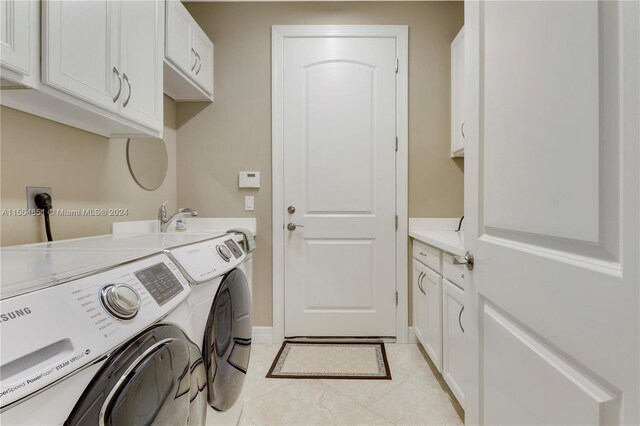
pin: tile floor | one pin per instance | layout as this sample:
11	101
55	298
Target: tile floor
415	396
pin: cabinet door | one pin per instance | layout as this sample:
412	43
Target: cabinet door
15	35
432	285
80	49
178	37
203	49
141	56
418	304
457	95
453	338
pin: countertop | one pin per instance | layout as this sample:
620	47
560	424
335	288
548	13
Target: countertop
449	241
33	266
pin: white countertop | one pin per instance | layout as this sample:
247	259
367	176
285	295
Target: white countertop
449	241
29	267
439	233
194	224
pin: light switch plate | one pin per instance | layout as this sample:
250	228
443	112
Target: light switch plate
249	180
249	203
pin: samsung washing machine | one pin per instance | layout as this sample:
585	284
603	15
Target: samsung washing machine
109	347
221	308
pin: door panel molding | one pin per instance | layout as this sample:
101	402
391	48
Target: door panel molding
279	34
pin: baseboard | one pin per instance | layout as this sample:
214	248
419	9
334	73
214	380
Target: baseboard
262	334
411	338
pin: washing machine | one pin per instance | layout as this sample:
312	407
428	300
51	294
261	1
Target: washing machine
108	346
221	308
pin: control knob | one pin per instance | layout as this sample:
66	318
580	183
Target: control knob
120	300
224	253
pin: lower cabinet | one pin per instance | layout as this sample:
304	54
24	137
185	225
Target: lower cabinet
438	314
432	283
427	311
419	304
453	338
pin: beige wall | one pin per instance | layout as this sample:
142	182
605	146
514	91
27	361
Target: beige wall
234	133
86	171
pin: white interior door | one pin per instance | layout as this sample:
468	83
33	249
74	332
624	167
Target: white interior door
339	131
552	189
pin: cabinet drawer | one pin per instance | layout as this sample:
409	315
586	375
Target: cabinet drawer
455	273
430	256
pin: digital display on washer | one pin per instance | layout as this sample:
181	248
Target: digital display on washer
159	282
231	245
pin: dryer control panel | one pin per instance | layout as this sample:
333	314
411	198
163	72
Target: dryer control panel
50	333
209	259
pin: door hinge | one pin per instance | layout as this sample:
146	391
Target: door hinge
397	65
396	144
396	222
396	298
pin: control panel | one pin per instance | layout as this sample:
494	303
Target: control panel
72	324
206	260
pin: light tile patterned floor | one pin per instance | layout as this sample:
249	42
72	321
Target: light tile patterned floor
415	396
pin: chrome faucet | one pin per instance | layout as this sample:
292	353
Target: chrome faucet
165	222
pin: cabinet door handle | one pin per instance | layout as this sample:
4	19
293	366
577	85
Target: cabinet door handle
460	319
462	130
115	71
199	63
420	282
195	59
125	78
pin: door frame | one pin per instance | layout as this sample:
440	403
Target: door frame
278	34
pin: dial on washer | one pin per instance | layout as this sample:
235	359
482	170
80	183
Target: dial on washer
224	252
121	300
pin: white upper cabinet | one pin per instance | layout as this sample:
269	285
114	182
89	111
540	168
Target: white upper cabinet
178	37
203	49
16	35
141	57
457	95
80	51
101	63
188	56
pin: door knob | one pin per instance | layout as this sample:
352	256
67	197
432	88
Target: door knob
467	260
291	210
292	226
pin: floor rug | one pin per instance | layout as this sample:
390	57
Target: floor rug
334	360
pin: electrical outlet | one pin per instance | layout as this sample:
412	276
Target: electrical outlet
32	191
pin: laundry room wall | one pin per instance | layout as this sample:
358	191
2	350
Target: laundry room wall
234	133
86	171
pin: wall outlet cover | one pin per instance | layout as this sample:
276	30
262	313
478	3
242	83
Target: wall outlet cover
32	191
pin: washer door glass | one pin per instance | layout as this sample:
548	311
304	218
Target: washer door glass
227	341
152	380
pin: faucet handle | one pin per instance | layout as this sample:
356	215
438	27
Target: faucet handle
162	211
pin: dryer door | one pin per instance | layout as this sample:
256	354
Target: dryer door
157	378
227	341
